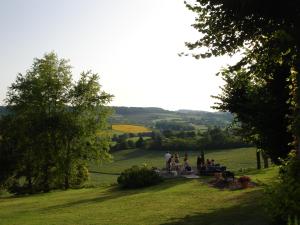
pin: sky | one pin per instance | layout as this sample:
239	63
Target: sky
132	44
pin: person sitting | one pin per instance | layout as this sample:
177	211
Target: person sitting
186	165
208	162
213	162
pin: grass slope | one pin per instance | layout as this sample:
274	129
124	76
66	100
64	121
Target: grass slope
174	202
233	159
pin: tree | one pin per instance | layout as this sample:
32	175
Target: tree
259	102
140	143
58	124
256	27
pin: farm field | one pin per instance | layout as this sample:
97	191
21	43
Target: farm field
127	128
233	159
174	202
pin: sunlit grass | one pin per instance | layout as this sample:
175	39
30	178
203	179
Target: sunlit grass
174	202
126	128
233	159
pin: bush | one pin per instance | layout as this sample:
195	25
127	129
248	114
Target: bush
80	175
244	179
137	177
283	197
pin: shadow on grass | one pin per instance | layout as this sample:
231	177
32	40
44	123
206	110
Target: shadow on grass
115	192
249	211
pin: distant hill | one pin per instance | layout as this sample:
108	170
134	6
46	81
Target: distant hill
150	115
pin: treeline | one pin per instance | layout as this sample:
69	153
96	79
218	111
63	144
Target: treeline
167	140
173	125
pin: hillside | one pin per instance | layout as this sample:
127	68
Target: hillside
149	116
174	202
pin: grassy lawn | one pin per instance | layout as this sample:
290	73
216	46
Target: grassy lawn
233	159
174	202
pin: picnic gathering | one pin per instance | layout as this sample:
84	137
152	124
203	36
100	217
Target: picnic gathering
176	166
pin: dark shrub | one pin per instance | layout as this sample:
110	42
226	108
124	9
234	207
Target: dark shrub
137	177
283	196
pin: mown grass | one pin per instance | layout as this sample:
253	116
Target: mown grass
233	159
126	128
174	202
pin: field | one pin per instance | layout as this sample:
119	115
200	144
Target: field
126	128
174	202
233	159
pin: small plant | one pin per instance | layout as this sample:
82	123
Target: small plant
137	177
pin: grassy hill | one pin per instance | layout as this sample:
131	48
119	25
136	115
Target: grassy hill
174	202
148	116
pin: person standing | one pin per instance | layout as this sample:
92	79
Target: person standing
167	157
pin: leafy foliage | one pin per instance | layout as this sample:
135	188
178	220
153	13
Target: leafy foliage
52	128
262	87
137	177
283	196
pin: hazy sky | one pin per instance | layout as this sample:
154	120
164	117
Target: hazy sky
132	44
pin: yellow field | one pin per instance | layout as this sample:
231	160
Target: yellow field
125	128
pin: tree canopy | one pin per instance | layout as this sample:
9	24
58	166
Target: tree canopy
53	127
262	88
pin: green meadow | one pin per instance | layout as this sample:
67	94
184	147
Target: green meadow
174	202
106	173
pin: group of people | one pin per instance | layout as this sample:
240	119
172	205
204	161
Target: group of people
173	162
208	165
202	163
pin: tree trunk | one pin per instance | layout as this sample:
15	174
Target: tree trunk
29	179
266	159
46	186
67	166
258	159
297	95
67	182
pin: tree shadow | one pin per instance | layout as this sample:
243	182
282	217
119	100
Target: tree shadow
115	192
249	211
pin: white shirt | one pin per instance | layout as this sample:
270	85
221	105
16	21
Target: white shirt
167	156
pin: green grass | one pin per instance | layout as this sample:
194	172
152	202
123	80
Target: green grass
233	159
174	202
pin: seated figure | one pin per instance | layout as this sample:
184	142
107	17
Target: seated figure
186	165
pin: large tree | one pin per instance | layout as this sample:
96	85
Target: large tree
53	126
253	27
